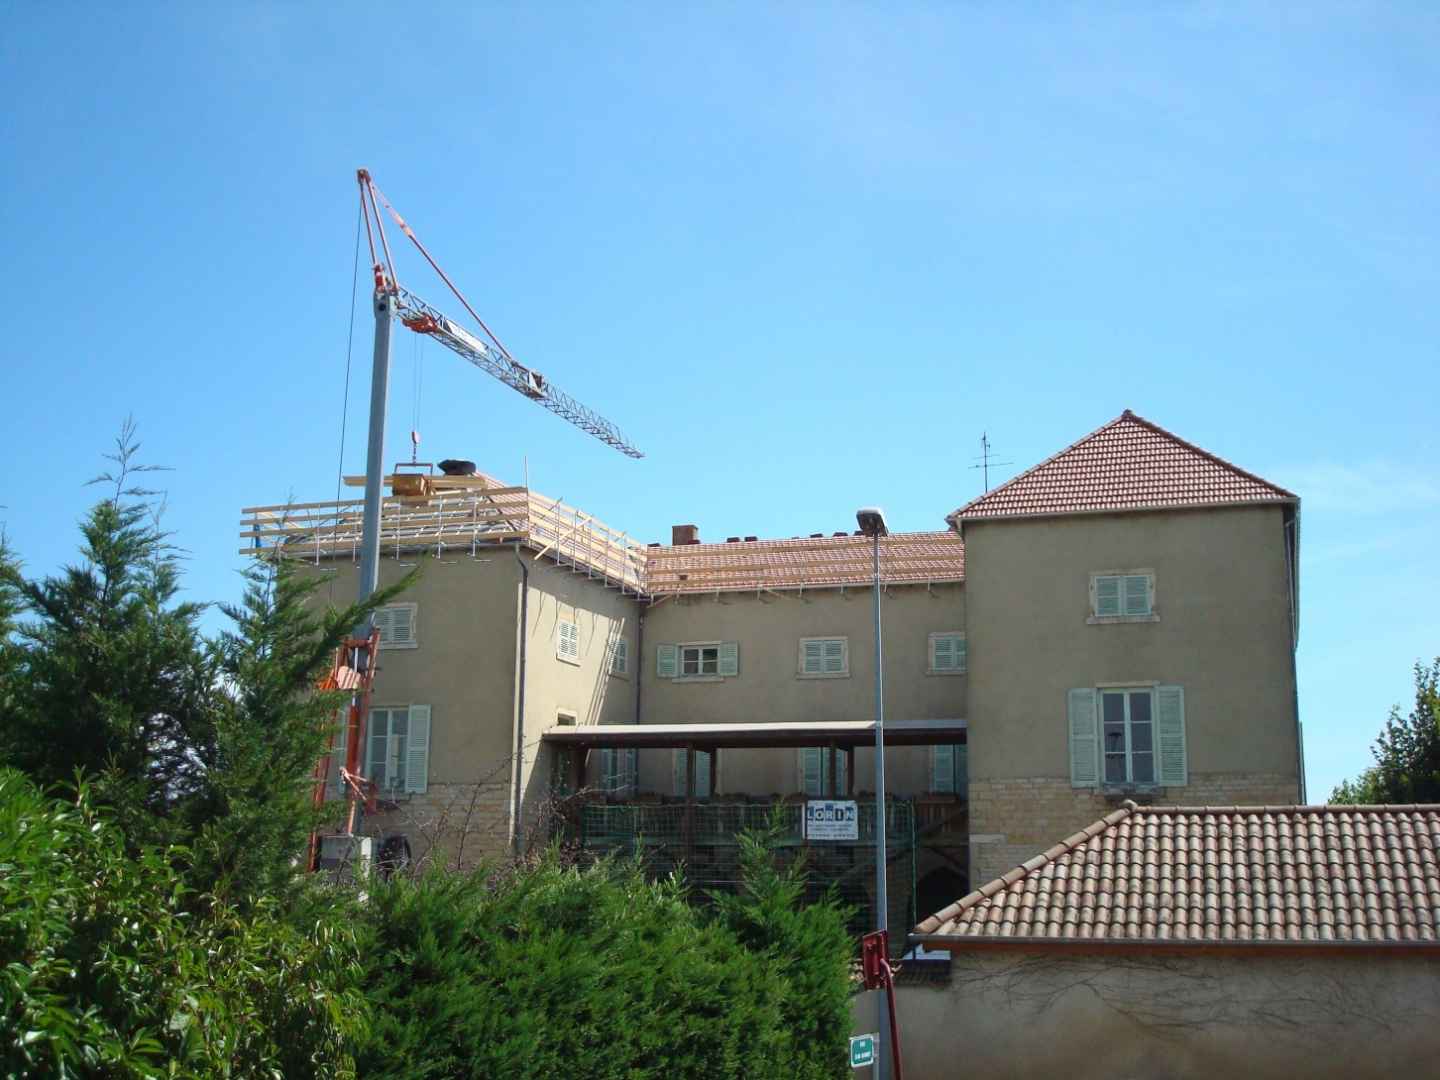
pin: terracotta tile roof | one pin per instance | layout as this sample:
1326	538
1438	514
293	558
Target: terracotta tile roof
1129	464
1229	875
809	562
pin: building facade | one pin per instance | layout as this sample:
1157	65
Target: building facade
1116	623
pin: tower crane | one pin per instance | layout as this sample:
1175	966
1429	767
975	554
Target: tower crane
354	666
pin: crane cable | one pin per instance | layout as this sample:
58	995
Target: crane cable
349	352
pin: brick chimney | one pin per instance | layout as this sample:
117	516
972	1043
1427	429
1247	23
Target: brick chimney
684	534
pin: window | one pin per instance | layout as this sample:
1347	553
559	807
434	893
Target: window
396	623
619	657
1121	736
1128	736
702	773
619	771
815	771
701	661
947	653
950	770
567	643
397	749
1122	596
822	658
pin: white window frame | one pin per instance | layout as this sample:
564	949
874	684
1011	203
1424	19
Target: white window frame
570	655
383	619
1149	616
1128	692
948	635
397	758
844	673
681	647
619	664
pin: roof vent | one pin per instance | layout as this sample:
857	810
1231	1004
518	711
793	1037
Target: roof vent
684	534
839	534
751	539
817	536
732	539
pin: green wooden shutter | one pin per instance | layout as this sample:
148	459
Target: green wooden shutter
1172	770
812	776
667	661
417	751
962	771
1084	742
632	770
942	769
962	653
834	657
729	658
677	762
1137	594
1107	596
942	655
813	661
702	773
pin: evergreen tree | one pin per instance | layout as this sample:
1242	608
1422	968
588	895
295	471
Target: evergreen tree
206	743
1407	752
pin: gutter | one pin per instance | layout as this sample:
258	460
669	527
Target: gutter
518	765
957	943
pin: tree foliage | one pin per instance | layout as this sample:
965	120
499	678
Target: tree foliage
205	743
1407	752
110	965
555	971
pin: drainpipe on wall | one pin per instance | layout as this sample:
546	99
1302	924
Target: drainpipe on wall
639	654
518	766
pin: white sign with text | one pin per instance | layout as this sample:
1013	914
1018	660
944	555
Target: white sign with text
832	819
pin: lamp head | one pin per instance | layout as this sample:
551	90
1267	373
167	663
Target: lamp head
871	520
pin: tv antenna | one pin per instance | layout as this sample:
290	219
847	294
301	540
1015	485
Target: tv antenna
985	460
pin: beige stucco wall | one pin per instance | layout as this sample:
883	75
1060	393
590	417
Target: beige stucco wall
585	690
1221	592
465	668
768	630
1160	1017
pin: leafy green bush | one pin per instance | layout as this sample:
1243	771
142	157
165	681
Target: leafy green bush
109	966
552	971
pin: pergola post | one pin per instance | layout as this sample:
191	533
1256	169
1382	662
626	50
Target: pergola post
833	787
689	803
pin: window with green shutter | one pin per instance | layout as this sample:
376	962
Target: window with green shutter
824	657
1122	595
700	661
948	654
1127	736
396	623
815	772
949	770
397	749
702	773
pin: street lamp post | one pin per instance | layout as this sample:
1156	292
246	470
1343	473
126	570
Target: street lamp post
872	523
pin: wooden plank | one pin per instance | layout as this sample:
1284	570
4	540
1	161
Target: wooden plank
300	506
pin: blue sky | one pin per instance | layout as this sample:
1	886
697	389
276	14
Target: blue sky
803	256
